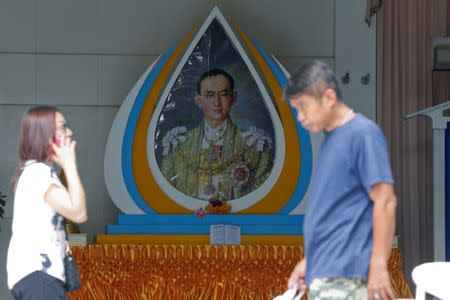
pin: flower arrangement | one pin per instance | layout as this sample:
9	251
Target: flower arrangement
217	206
201	213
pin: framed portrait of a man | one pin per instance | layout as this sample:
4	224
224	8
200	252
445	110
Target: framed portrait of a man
215	137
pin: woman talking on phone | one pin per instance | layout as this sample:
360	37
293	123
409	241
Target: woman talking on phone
35	256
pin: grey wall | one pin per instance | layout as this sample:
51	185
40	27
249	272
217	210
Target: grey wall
85	55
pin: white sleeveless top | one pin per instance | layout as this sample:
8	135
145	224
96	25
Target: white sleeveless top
38	235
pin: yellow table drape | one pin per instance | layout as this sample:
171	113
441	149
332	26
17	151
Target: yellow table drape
195	271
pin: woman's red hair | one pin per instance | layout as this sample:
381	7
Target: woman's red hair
36	132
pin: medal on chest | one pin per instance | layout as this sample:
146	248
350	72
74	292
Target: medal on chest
214	153
209	189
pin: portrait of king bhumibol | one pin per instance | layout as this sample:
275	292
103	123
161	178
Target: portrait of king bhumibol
217	158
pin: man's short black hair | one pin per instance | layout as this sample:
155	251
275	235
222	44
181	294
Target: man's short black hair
312	79
215	72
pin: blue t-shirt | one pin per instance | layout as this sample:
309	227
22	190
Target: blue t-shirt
338	222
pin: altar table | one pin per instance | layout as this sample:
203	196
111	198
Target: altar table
195	271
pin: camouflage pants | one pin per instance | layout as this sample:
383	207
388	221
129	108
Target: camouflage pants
337	289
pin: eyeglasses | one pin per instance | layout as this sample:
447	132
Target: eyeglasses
211	95
65	127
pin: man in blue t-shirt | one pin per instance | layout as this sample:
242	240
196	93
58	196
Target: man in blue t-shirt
350	219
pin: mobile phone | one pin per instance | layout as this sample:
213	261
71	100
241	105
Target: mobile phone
57	142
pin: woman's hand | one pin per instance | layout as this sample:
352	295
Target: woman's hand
64	154
70	203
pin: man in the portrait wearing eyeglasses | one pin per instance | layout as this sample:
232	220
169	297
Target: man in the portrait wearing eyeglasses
217	158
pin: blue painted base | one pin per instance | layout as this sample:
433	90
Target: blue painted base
192	224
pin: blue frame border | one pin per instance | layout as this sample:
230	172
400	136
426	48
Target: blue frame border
280	223
127	146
